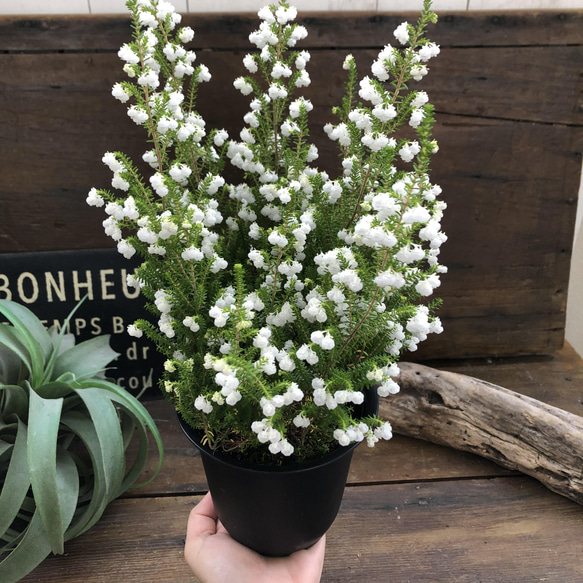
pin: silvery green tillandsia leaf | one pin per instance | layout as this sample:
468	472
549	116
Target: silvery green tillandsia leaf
9	366
16	482
33	547
106	422
49	494
11	340
34	334
31	550
143	421
4	448
57	341
60	340
55	390
85	359
43	420
14	401
68	486
83	427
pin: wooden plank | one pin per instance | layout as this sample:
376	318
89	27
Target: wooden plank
522	179
136	540
484	530
509	240
345	29
519	83
508	258
505	293
554	380
68	114
505	238
505	529
68	119
458	530
400	459
534	83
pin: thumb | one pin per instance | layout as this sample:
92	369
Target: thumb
202	521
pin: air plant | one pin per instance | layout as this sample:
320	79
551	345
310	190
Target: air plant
64	431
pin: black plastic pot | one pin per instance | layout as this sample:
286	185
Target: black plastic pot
277	511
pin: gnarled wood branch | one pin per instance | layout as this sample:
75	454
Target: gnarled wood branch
515	431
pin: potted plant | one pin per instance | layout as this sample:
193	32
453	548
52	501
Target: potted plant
63	436
279	297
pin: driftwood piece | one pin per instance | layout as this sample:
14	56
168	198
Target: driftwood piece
515	431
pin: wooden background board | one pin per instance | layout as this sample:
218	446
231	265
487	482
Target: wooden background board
507	92
352	29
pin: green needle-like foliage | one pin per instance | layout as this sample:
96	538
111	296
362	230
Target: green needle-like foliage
279	291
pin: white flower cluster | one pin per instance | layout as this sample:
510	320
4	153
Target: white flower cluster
268	353
323	398
270	406
264	428
221	311
358	432
226	378
164	304
420	326
289	273
387	386
266	433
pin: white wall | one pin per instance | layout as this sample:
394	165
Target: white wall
574	331
114	6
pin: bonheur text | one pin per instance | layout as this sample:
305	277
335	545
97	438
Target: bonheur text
61	286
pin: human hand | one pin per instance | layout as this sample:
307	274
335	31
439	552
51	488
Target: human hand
215	557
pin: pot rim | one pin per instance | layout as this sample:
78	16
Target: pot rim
369	407
195	436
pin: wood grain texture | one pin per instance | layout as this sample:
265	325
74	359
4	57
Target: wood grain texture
507	91
504	529
556	380
509	128
500	530
344	29
515	431
431	521
400	459
506	183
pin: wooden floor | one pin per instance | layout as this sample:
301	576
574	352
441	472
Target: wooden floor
412	511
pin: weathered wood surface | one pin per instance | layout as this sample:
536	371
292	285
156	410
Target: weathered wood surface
351	29
413	511
513	430
400	459
498	530
556	380
59	117
509	128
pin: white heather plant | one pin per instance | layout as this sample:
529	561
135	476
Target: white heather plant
279	298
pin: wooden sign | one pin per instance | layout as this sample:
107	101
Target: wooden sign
51	284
